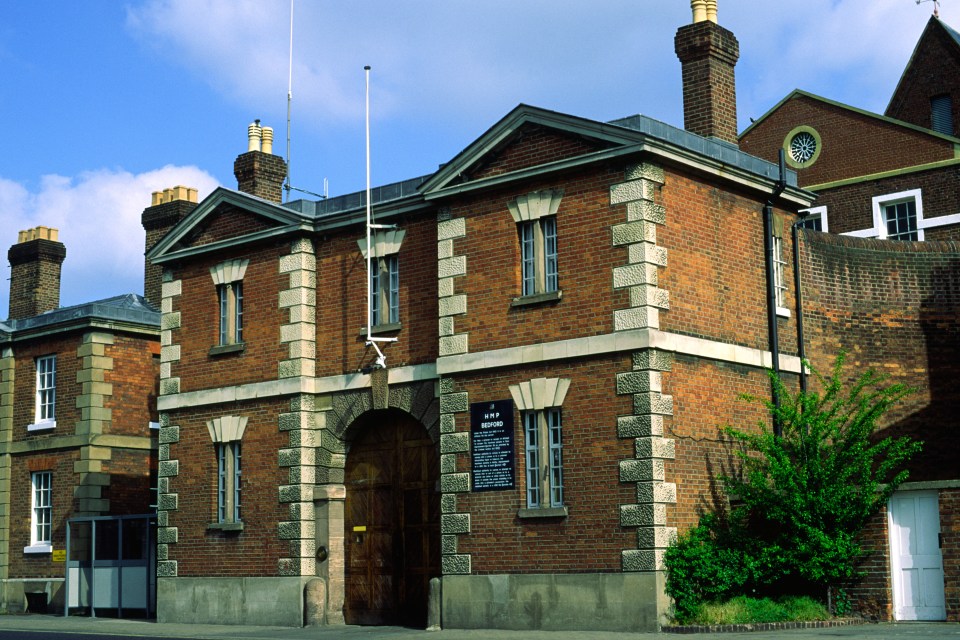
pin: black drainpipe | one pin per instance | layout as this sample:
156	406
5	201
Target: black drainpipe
771	290
801	353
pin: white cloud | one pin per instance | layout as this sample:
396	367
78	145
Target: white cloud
98	216
440	62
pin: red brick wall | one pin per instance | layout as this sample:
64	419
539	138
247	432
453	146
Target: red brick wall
850	207
950	530
227	222
706	396
134	378
129	489
590	539
715	265
61	464
539	146
199	328
873	596
586	259
342	300
893	307
853	144
255	550
25	387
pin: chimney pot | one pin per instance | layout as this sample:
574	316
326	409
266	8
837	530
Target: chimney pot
267	146
254	136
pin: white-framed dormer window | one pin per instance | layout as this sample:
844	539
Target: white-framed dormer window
536	217
384	274
41	512
228	279
226	433
45	414
815	219
540	403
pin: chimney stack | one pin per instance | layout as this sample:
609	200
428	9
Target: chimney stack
35	272
708	53
167	208
258	171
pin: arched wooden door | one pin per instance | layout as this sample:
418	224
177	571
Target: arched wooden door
392	521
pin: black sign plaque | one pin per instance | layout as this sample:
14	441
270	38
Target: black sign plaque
491	443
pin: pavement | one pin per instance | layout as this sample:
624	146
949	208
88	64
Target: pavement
110	626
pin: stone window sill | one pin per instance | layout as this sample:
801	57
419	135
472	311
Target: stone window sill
225	526
382	328
222	349
543	512
783	312
537	298
46	425
39	548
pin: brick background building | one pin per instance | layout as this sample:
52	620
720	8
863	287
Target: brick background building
78	390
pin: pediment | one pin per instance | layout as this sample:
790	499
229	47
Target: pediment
225	218
933	69
526	140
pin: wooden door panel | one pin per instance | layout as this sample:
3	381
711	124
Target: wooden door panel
392	523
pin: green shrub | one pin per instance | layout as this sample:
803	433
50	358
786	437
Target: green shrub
805	495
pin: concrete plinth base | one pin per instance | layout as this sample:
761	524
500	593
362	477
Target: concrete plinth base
570	602
252	601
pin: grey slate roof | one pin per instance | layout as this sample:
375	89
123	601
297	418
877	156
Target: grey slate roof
129	308
712	148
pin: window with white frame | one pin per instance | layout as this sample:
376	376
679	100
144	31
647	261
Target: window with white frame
900	220
228	278
540	403
41	511
779	276
45	414
536	218
384	274
231	312
538	253
228	481
815	219
226	433
543	444
899	216
385	291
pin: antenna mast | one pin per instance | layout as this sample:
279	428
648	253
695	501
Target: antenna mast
371	341
289	100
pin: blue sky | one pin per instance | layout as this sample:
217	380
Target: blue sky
104	101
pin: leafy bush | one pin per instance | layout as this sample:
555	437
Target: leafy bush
805	495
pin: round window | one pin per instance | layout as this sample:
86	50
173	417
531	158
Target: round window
802	146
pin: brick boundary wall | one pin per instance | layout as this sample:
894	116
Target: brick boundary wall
893	306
